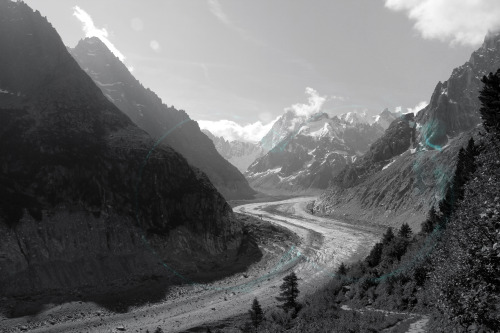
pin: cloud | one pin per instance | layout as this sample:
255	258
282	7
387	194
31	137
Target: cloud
315	102
234	131
417	107
155	45
217	10
464	22
91	30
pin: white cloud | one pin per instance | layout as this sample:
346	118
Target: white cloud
234	131
91	30
337	98
463	22
398	109
155	45
216	9
315	102
417	107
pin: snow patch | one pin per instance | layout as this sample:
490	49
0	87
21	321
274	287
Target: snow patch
388	165
107	84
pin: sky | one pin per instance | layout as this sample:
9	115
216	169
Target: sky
235	66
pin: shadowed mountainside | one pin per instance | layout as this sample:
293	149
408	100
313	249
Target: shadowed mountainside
148	112
84	200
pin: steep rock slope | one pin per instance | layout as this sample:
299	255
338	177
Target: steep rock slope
402	185
307	159
146	110
238	153
454	107
80	205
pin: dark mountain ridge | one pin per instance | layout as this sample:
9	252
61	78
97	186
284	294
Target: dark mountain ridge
80	203
147	111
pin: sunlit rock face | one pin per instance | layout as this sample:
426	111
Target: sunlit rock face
454	105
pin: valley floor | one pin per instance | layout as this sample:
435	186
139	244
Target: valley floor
322	245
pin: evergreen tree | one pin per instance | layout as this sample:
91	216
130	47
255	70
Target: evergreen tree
375	255
431	221
289	293
256	313
405	231
342	270
490	103
446	206
388	236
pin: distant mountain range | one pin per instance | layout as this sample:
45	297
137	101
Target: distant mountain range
84	197
408	169
147	111
238	153
307	152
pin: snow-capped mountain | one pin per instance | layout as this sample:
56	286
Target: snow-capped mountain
288	123
355	118
238	153
385	118
311	151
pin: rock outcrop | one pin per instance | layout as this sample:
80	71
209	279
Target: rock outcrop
454	105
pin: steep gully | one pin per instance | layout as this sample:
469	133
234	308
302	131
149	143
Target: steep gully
324	244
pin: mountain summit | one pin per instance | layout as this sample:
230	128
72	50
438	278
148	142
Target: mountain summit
147	110
310	151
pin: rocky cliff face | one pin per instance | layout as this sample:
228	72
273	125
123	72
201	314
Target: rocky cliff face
454	106
307	159
147	110
84	199
408	169
238	153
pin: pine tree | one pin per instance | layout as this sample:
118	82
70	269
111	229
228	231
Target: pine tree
431	221
375	255
342	270
490	102
256	313
405	231
388	236
289	293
